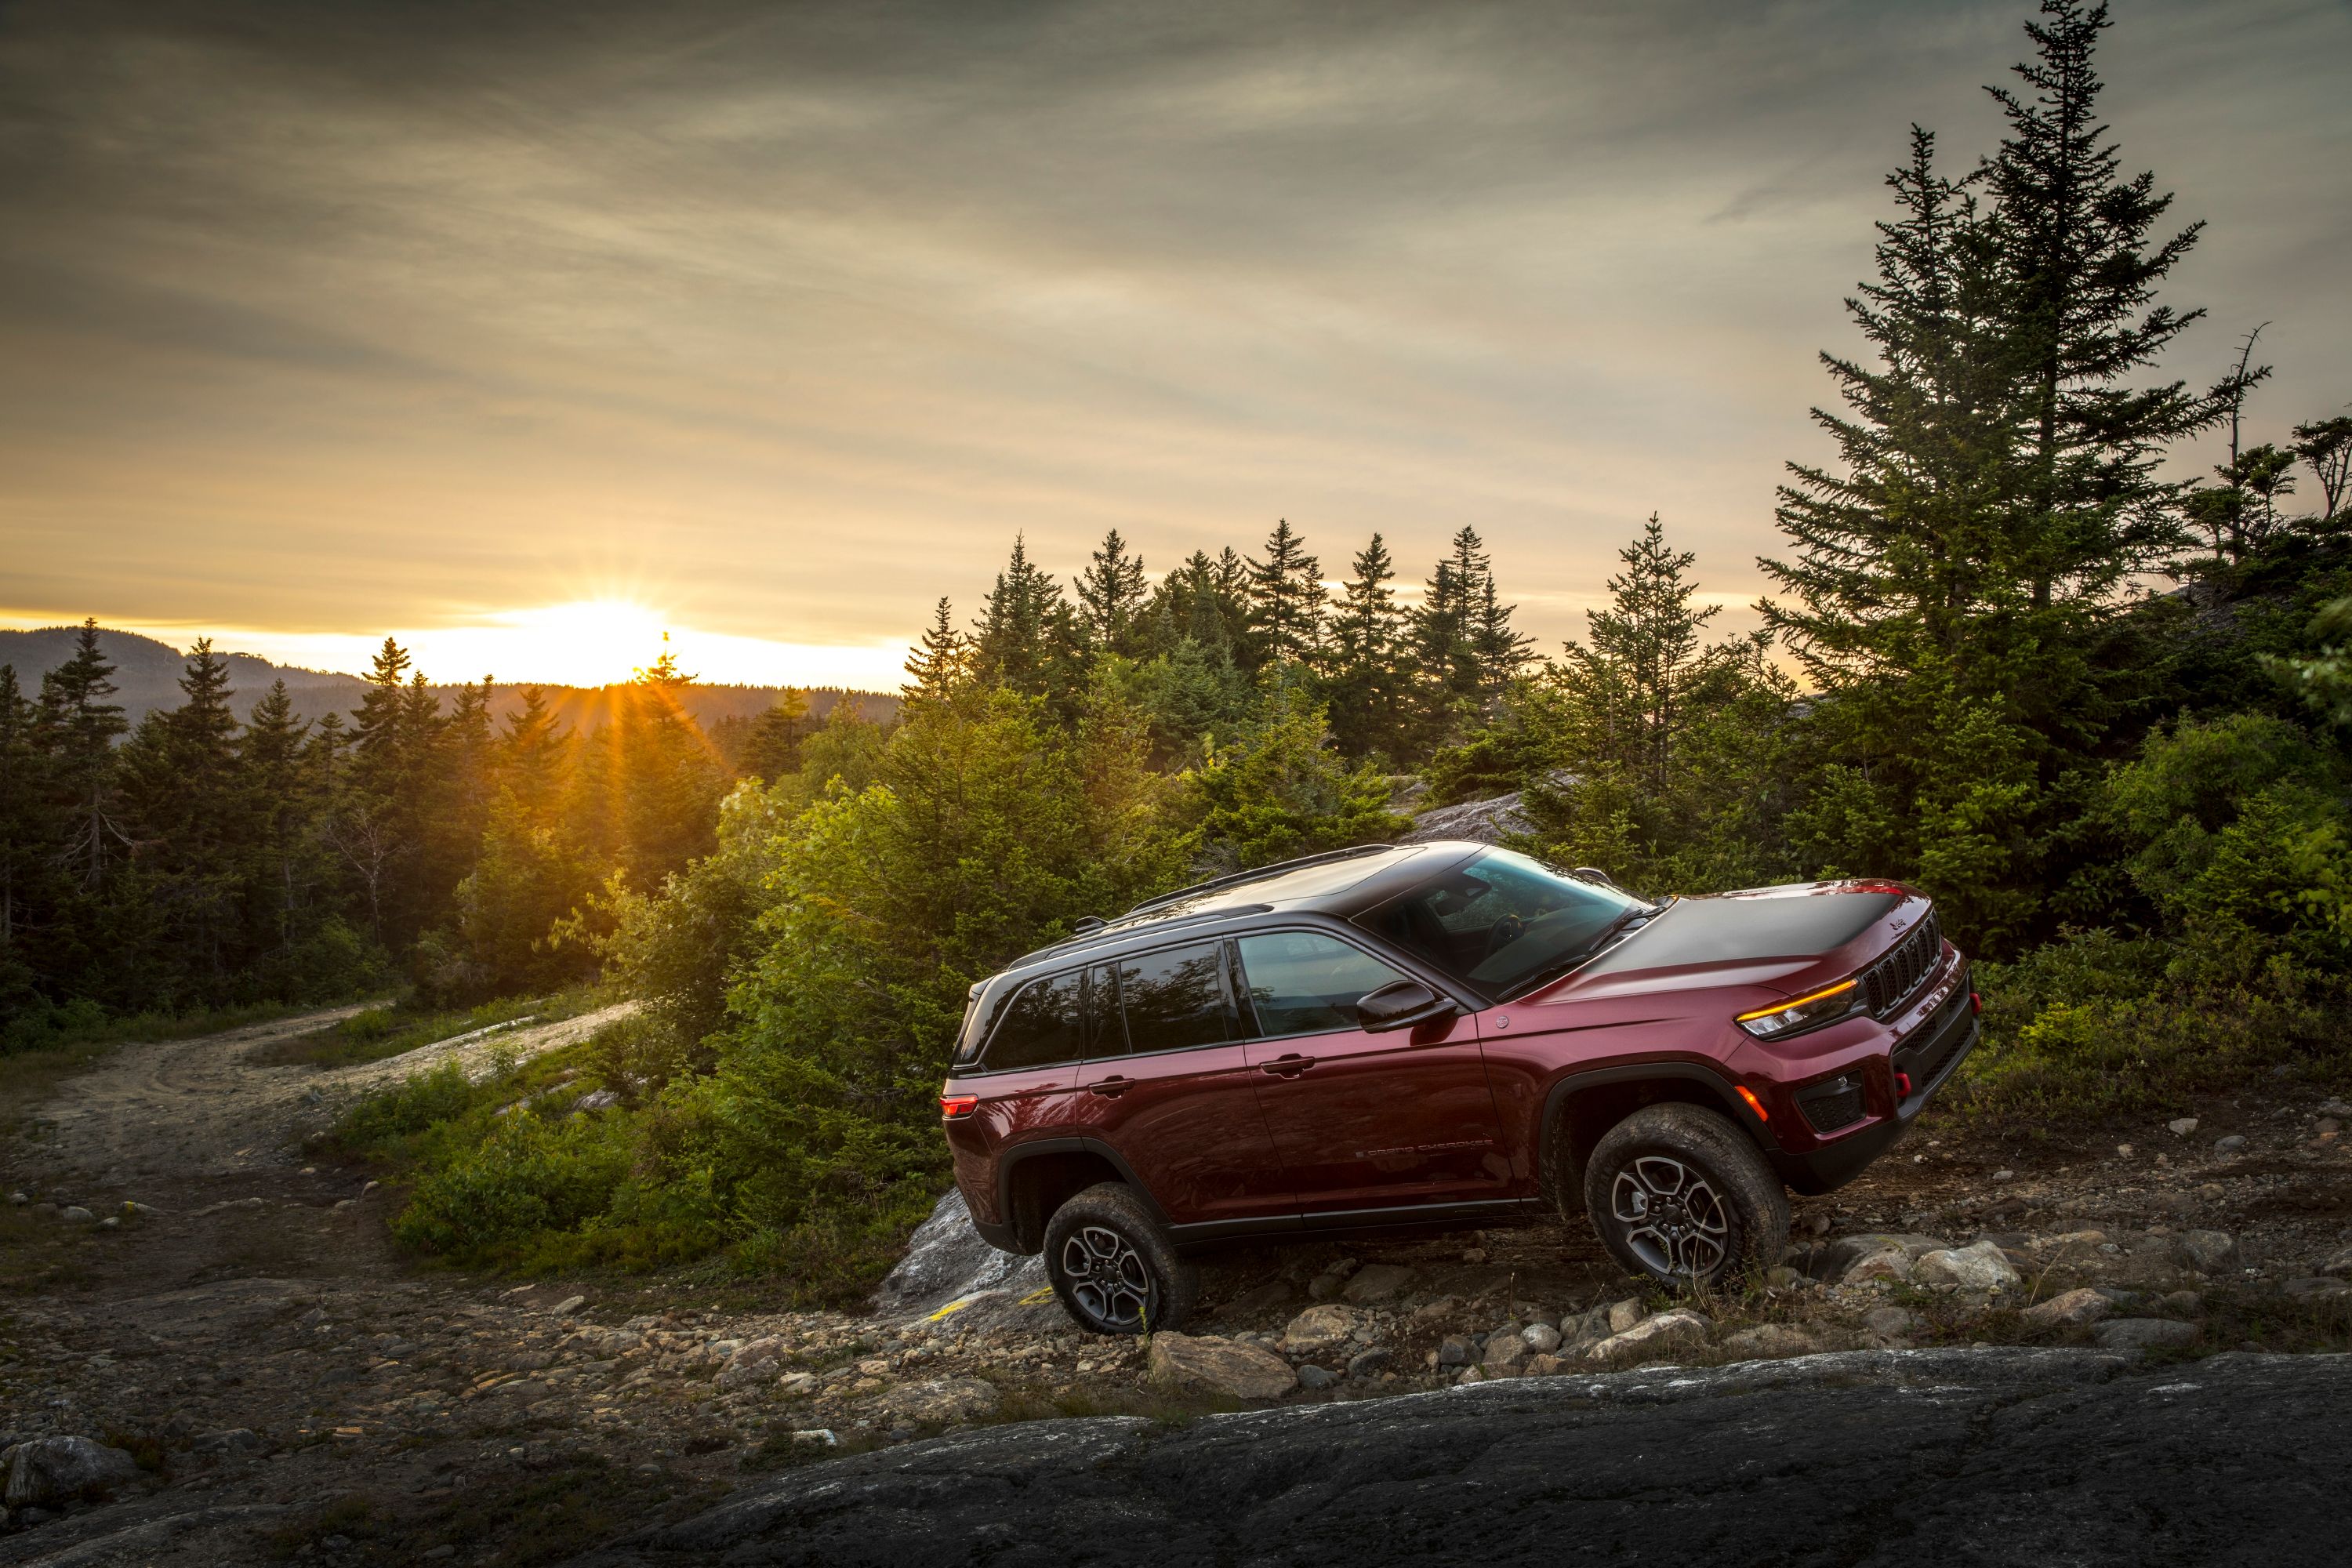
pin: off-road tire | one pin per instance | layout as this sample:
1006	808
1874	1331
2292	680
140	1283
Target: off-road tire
1731	1212
1113	1266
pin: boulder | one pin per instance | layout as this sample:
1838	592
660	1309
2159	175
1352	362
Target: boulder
1768	1340
2142	1333
1506	1353
1543	1366
1542	1338
1183	1362
1376	1282
47	1471
1311	1376
1886	1263
796	1385
1981	1266
752	1362
1666	1333
2206	1251
1835	1259
1487	821
1370	1362
2073	1309
1319	1329
941	1399
1623	1315
1456	1350
945	1258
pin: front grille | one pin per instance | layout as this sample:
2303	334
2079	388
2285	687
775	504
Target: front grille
1934	1043
1890	983
1832	1105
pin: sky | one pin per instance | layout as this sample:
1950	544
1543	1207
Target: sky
527	331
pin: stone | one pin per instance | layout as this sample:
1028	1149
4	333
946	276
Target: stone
1887	1263
796	1385
1505	1355
1311	1376
942	1400
74	1214
235	1442
1323	1287
1768	1340
1376	1282
752	1362
1456	1350
2206	1251
131	1206
1369	1363
1319	1329
1836	1257
19	1199
1981	1267
1665	1333
2183	1303
946	1261
1892	1323
1781	1276
1471	1374
2235	1143
1623	1315
568	1305
1541	1337
47	1471
2004	1174
1187	1362
2142	1333
2340	1264
2182	1127
1543	1366
2075	1309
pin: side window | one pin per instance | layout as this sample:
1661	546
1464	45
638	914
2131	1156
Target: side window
1040	1027
1176	998
1302	982
1106	1030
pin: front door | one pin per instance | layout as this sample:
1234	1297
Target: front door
1365	1121
1168	1085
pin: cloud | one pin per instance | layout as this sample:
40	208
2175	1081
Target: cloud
379	314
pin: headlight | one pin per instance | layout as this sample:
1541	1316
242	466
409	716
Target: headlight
1816	1007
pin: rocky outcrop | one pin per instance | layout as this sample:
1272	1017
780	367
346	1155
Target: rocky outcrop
1181	1363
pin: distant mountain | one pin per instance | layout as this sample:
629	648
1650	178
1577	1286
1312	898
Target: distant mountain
148	673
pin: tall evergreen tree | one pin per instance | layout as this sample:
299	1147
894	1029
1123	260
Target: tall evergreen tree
78	727
1369	675
1029	640
1632	683
282	871
1110	592
29	831
1286	599
940	663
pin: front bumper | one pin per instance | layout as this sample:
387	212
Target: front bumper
1932	1056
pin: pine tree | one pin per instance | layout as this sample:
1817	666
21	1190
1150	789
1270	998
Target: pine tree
533	753
78	727
29	828
940	666
1501	652
275	784
773	749
182	788
1631	684
1029	640
1110	592
1369	678
1286	600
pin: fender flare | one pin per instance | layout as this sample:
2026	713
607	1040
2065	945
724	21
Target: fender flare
1551	1149
1012	1159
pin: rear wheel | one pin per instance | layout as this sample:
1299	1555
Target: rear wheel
1113	1266
1680	1195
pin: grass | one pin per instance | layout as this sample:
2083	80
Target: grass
28	1074
392	1029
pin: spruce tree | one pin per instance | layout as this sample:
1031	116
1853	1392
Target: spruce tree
1286	600
1368	673
275	782
772	749
1110	591
78	727
1029	639
28	826
1631	685
939	665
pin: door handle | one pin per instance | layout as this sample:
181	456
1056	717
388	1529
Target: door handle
1289	1066
1111	1087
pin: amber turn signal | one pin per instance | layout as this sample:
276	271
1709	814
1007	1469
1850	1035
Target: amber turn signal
1754	1104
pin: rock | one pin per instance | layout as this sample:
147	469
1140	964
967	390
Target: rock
1541	1337
2142	1333
941	1399
1623	1315
945	1259
235	1442
47	1471
1318	1329
752	1362
18	1199
568	1305
1250	1302
2314	1287
1487	821
74	1214
2341	1264
2182	1127
1369	1362
2184	1303
2232	1144
796	1385
1892	1323
1981	1267
2335	1108
1376	1282
1834	1259
112	1222
1543	1366
1311	1376
1504	1354
1772	1340
2207	1251
1781	1276
1887	1263
1456	1350
1180	1362
2072	1310
1666	1333
1323	1287
594	1100
1471	1374
131	1206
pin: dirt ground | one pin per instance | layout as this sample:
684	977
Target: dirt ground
296	1390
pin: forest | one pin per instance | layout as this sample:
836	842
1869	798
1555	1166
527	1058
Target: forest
2012	652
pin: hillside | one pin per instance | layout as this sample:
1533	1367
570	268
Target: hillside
147	672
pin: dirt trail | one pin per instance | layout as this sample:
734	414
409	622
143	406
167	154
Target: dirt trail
302	1392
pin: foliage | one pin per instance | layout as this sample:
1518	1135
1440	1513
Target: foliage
1283	790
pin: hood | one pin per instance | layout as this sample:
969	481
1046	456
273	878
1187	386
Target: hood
1790	929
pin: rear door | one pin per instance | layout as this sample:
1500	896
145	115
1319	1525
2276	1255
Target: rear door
1364	1121
1168	1085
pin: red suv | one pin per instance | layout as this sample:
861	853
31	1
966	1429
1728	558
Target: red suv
1441	1034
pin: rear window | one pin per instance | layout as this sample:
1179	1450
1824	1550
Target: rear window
1175	999
1040	1026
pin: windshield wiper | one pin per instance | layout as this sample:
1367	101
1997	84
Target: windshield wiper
1639	915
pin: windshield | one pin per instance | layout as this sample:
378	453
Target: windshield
1503	922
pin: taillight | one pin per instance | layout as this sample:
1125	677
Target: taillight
956	1107
1976	1001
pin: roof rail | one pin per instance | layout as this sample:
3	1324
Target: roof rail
1239	878
1080	938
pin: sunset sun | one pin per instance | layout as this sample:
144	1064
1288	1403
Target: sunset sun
587	642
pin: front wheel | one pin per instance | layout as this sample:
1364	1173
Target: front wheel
1114	1268
1680	1195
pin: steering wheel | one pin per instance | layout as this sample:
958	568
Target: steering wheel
1504	932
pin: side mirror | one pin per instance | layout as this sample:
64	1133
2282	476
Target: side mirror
1399	1006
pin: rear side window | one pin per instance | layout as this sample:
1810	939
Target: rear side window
1040	1027
1302	982
1174	999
